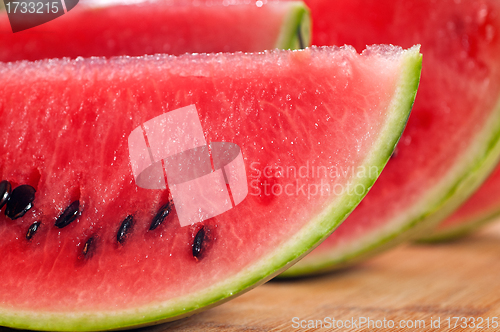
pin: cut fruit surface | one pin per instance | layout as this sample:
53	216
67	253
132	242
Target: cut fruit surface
114	28
481	208
451	142
96	251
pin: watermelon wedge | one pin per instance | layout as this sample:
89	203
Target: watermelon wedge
137	28
451	142
481	208
85	246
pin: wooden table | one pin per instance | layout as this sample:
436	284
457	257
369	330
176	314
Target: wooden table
411	285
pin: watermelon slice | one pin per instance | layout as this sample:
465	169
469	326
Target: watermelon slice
97	250
451	142
481	208
149	27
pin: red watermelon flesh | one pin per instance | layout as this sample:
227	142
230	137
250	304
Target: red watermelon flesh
451	141
65	129
482	207
149	27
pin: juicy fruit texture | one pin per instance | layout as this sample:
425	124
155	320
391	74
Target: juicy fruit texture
150	27
65	131
482	207
451	141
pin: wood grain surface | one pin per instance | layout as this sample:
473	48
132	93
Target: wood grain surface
411	285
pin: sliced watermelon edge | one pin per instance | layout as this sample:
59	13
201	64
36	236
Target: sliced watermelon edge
465	227
458	231
282	258
472	182
421	228
295	33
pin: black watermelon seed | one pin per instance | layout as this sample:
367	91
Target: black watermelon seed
394	153
20	201
69	215
198	242
161	215
124	229
5	190
32	230
88	248
299	36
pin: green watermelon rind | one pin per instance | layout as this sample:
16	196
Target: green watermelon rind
471	183
465	228
296	32
282	258
470	224
421	228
